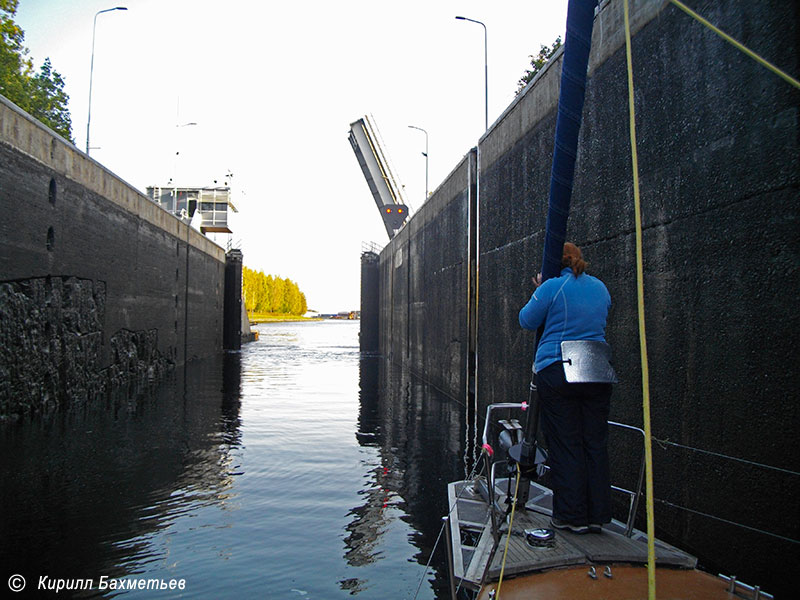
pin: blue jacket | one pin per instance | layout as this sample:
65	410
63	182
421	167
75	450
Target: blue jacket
571	308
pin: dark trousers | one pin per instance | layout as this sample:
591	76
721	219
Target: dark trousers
574	420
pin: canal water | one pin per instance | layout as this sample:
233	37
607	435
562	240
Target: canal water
295	469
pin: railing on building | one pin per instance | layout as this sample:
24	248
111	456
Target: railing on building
211	204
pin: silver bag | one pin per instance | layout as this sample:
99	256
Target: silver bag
587	361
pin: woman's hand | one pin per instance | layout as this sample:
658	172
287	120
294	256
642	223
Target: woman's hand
537	281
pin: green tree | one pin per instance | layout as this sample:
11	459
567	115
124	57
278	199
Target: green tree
14	64
48	100
537	63
42	95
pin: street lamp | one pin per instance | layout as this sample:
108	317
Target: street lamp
485	67
425	154
91	71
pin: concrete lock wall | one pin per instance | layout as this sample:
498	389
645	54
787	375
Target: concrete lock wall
719	168
99	287
370	285
423	286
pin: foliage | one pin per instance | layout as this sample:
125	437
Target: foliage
48	101
14	64
40	94
537	63
271	294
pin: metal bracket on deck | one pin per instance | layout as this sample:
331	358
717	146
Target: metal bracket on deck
738	588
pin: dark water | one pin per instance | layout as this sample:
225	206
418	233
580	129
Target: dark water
296	469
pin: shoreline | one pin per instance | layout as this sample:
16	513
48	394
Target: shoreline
256	319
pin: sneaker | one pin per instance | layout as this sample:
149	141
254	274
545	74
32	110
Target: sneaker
559	524
595	528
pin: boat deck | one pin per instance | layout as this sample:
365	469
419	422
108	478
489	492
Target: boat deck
477	559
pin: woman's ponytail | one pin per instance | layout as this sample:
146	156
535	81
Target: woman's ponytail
572	257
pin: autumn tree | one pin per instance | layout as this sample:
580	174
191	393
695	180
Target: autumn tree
277	302
303	304
265	293
250	289
292	297
271	294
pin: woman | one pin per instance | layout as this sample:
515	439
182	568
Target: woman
573	306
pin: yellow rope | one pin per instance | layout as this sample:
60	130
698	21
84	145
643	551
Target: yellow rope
737	44
508	537
648	449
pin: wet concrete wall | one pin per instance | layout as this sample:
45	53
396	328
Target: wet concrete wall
369	331
719	165
99	287
233	321
423	285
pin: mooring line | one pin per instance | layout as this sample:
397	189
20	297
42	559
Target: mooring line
441	530
648	450
729	522
759	59
508	536
663	443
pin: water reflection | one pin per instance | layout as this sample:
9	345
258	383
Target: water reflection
417	431
231	397
368	392
84	491
294	469
368	519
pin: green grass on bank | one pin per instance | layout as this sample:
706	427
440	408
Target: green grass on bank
275	317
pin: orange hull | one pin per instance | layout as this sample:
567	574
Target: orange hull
626	583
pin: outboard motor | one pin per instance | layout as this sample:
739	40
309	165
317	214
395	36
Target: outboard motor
507	451
527	453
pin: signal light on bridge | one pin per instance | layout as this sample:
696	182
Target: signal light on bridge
394	215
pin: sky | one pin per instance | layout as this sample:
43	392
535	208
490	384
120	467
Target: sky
193	90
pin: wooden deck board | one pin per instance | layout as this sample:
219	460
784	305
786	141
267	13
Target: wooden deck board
610	547
523	558
570	549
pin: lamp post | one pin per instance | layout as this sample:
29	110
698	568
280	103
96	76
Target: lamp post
425	154
91	71
485	67
178	127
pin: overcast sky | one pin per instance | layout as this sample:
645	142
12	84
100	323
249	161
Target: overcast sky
273	88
